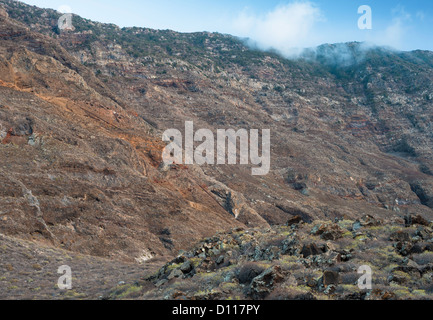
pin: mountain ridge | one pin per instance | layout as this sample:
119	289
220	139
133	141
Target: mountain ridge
82	114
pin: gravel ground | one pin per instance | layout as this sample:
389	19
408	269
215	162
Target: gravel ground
29	271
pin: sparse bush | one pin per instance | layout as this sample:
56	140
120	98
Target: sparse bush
291	293
424	258
403	147
426	170
248	272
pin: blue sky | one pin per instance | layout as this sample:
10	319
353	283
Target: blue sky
404	25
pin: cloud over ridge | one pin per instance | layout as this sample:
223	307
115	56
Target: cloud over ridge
288	28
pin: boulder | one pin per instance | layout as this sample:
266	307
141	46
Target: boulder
290	246
404	248
294	220
330	278
401	236
330	289
248	272
356	226
220	260
186	267
415	219
369	221
332	257
263	284
176	273
424	233
328	231
310	250
429	247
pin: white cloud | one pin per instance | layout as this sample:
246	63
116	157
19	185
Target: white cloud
396	33
420	15
65	9
287	28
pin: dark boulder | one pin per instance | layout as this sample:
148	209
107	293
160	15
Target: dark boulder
330	278
311	250
264	284
401	236
294	220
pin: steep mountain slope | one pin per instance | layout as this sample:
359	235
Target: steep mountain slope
80	171
82	114
361	113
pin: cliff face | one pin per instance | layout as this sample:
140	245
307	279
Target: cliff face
79	170
82	113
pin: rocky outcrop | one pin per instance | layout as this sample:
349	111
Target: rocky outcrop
81	118
264	284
